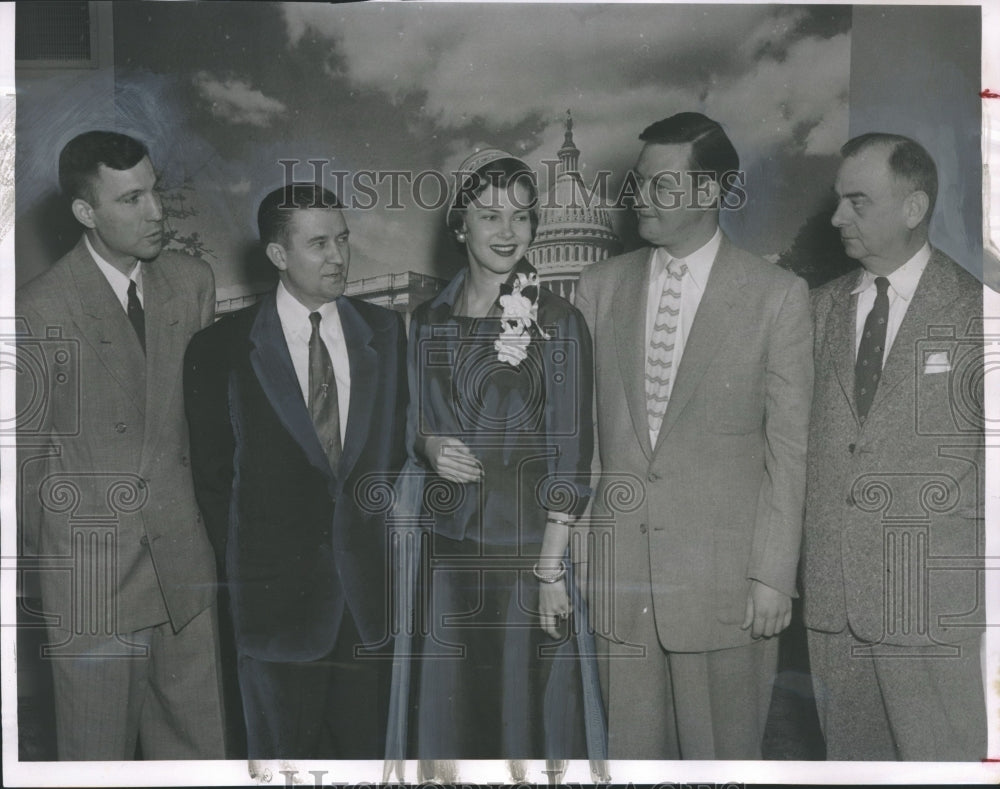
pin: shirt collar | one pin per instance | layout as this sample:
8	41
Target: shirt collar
119	282
449	295
294	315
699	263
903	280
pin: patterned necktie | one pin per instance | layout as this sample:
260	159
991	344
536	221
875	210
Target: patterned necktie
660	359
324	407
135	314
868	367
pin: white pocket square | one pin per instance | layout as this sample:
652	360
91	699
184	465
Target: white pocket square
936	362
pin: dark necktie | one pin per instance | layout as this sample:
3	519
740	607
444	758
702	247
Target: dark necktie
868	367
135	314
324	407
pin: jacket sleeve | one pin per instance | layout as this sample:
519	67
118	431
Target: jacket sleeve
788	399
402	397
567	360
206	401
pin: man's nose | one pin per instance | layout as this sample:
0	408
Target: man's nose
641	199
155	208
839	218
335	255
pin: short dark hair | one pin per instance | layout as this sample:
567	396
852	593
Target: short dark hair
711	149
501	173
908	161
276	210
82	156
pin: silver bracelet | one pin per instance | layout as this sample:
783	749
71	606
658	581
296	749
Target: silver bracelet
550	579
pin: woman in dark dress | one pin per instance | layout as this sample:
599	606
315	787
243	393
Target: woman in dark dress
500	418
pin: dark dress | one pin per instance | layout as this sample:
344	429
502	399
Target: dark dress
488	682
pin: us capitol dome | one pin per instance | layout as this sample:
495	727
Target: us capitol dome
574	227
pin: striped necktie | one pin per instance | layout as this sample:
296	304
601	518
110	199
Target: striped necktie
660	358
324	407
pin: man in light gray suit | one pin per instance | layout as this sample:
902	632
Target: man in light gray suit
127	573
703	379
892	559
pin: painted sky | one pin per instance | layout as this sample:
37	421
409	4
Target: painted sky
228	89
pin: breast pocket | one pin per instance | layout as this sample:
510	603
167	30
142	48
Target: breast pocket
734	398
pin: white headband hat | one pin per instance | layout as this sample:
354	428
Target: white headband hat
472	164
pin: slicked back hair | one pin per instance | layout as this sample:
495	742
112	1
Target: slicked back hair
711	149
908	161
82	157
277	209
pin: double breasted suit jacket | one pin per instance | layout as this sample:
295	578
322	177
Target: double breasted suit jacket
120	456
894	513
719	498
298	539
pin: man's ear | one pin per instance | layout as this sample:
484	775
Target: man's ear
915	208
84	212
276	254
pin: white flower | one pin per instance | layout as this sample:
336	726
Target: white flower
519	314
512	347
518	307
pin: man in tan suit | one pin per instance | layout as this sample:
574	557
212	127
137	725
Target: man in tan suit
892	559
107	511
704	378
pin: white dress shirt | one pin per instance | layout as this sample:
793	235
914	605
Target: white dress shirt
902	285
699	265
119	282
294	317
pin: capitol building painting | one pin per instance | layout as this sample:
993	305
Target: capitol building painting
574	225
574	230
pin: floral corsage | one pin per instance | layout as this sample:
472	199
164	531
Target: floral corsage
520	313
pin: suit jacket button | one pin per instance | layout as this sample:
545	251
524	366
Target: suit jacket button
141	484
144	540
849	501
642	528
653	476
850	448
184	460
121	427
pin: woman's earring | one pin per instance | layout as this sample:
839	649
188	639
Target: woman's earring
460	237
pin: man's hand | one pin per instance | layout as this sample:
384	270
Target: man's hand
768	610
452	459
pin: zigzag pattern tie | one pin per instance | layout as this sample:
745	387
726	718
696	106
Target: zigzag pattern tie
660	358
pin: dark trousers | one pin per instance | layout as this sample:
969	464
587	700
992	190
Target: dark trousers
332	708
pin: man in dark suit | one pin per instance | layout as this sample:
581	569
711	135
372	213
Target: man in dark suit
703	400
133	624
892	559
294	403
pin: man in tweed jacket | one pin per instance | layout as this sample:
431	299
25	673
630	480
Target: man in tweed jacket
893	546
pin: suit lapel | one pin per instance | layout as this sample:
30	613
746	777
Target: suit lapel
104	324
363	358
629	319
719	305
842	339
272	364
163	312
935	291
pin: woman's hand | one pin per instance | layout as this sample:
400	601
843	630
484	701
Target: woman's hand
553	606
452	459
